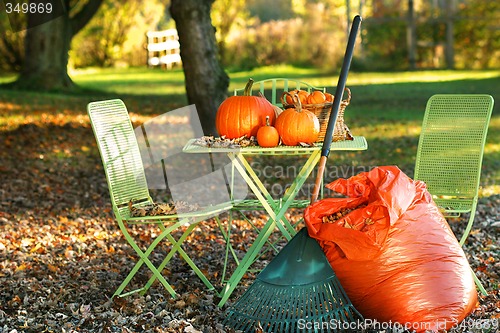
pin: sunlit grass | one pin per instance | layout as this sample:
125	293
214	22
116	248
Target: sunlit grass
420	76
136	81
6	78
156	81
386	108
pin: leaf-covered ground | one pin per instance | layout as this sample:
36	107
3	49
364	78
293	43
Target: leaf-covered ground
62	255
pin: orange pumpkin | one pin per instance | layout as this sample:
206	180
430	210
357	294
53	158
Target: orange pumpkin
297	125
329	97
267	136
239	116
301	93
289	96
316	97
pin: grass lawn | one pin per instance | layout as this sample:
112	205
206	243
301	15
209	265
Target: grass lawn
386	108
62	254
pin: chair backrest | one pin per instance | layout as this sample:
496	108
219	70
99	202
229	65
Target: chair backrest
274	88
451	145
120	154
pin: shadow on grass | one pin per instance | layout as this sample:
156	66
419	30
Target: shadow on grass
23	101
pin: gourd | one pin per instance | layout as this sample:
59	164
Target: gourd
277	109
297	125
316	97
302	94
268	136
239	116
328	97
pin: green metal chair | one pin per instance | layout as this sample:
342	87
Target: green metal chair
273	88
127	185
450	153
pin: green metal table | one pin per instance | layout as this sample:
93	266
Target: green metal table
276	209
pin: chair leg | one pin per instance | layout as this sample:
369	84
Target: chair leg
145	260
176	247
479	284
469	223
245	263
226	235
466	233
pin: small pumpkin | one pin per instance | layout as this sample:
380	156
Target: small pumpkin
316	97
239	116
303	95
288	96
296	125
329	97
268	136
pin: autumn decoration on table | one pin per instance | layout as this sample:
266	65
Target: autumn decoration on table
268	136
289	96
239	116
297	125
316	97
223	142
329	97
320	103
277	109
240	119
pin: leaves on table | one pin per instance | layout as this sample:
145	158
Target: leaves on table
223	142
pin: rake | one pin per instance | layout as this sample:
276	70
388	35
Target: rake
298	291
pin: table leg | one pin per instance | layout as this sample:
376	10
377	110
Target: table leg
258	188
276	213
289	195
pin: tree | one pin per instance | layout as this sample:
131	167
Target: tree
227	14
47	46
11	42
206	80
116	33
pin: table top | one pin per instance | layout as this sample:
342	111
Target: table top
358	143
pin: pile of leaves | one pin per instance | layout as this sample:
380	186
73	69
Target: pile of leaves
223	142
161	208
62	255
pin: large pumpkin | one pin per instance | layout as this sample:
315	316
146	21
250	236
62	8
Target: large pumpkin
297	125
241	116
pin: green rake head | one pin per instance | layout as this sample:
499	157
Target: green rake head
298	290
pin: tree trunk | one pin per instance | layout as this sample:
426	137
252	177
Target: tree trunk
46	56
411	36
450	41
206	81
46	49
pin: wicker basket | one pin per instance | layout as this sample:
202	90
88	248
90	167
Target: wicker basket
341	132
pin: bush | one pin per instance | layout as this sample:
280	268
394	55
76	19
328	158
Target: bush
313	39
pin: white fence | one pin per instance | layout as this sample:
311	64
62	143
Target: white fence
163	48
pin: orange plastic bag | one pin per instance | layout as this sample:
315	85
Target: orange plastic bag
395	256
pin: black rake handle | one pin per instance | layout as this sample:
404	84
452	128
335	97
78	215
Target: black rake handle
346	64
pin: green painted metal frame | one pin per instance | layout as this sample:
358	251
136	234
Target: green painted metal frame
276	209
127	183
450	153
276	84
